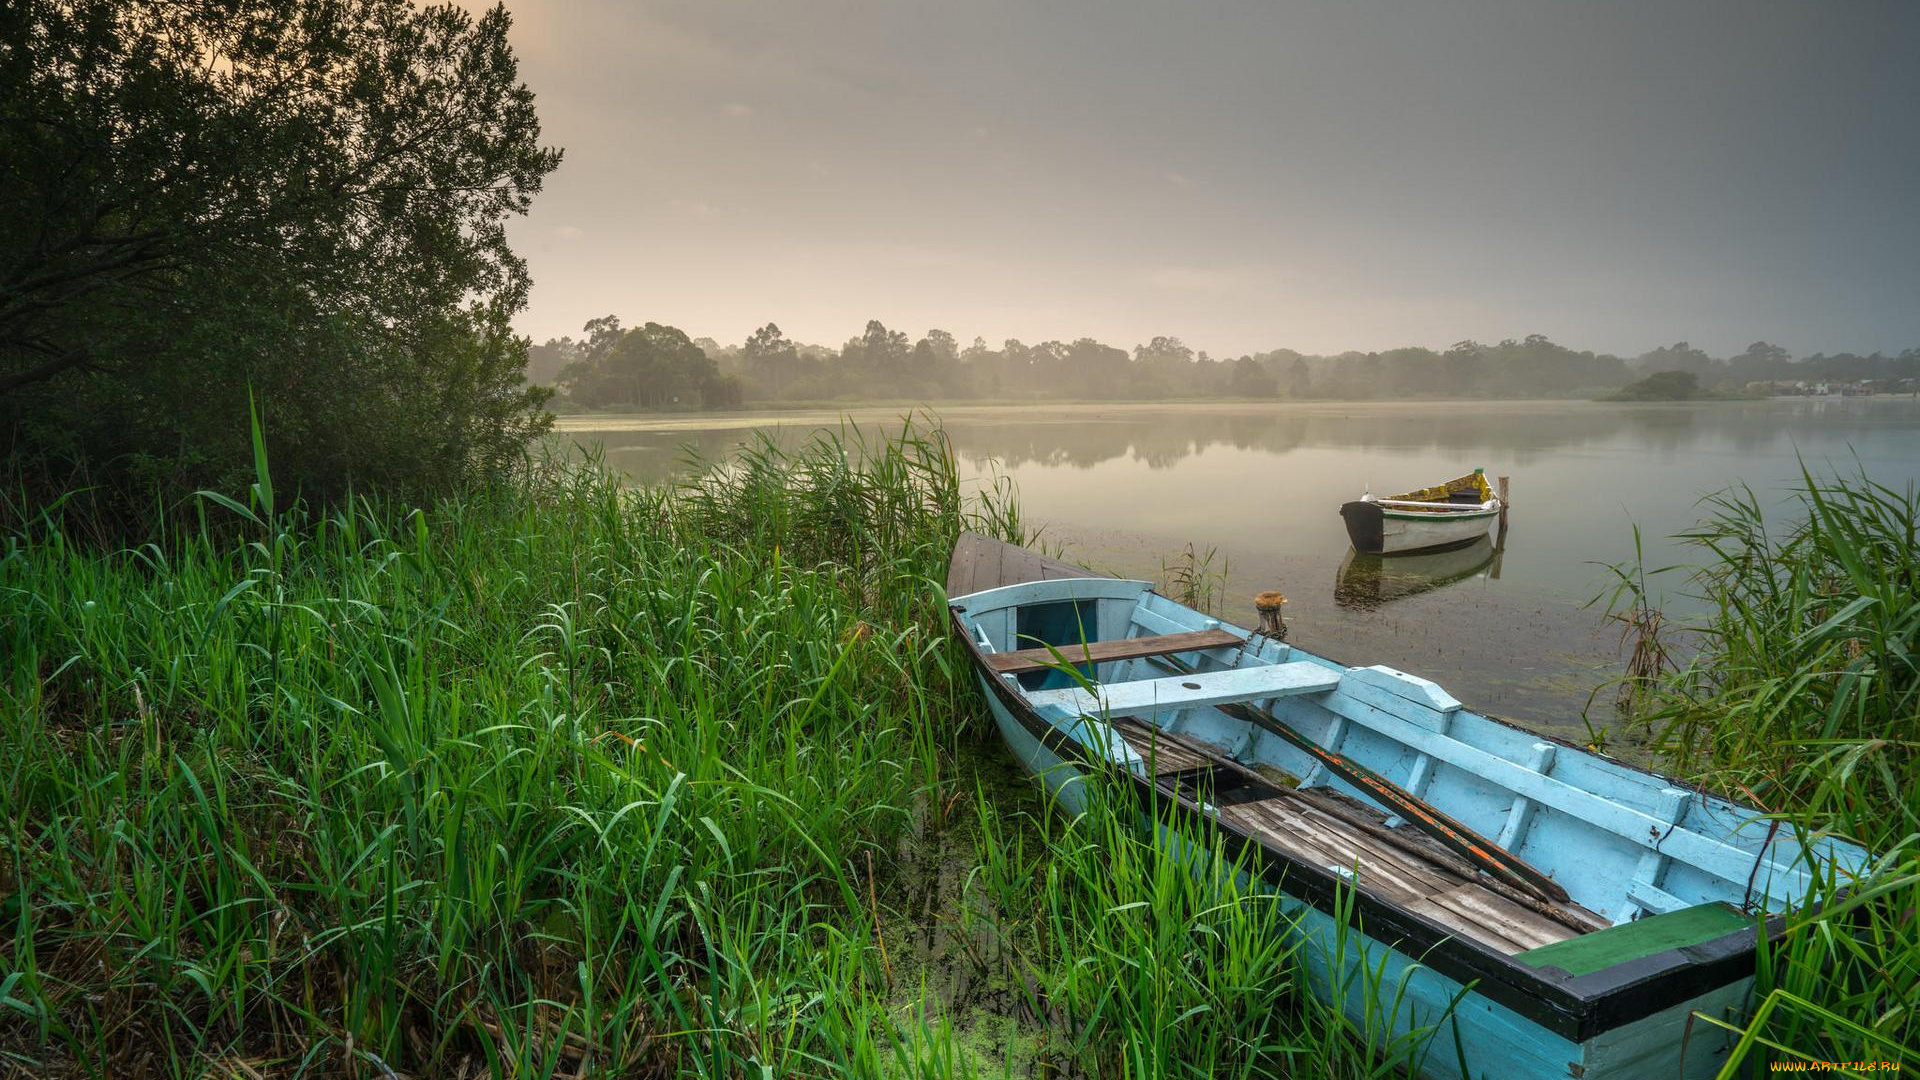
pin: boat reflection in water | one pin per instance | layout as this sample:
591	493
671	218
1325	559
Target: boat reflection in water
1367	581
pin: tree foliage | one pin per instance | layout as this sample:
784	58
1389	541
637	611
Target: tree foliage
1661	386
304	197
886	364
647	367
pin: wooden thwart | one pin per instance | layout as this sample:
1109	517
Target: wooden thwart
1100	652
1146	697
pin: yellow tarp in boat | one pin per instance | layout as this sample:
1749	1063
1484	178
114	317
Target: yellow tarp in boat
1473	484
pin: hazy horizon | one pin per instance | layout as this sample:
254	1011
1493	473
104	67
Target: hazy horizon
1307	176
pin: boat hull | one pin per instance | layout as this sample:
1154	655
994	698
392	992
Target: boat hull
1378	530
1410	999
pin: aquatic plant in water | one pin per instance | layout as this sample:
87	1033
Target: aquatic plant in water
1804	697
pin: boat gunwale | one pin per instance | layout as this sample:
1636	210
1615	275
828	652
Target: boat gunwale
1455	509
1577	1007
1468	514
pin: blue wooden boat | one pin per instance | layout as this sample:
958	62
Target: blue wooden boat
1572	912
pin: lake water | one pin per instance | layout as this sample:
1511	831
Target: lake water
1124	488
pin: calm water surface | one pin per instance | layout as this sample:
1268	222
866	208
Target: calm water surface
1124	488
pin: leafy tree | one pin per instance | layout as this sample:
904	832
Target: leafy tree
876	357
1164	351
1095	370
1662	386
931	364
647	367
301	196
1679	356
939	346
1416	372
546	360
770	359
1760	361
1461	365
1163	366
1251	379
1299	379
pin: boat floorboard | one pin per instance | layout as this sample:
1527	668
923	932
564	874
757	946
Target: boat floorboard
1165	753
1314	825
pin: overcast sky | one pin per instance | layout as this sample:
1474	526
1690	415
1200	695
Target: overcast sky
1245	176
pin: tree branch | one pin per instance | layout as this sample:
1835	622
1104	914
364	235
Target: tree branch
72	358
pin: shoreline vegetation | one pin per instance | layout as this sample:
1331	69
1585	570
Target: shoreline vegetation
658	367
1680	386
829	412
1800	694
565	778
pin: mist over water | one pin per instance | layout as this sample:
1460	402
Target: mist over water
1125	488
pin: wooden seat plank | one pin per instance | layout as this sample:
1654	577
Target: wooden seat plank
1150	696
1100	652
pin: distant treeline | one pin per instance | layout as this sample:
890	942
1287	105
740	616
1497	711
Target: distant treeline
659	367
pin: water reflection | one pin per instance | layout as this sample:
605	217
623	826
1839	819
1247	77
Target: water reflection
1364	582
1122	488
1083	437
1163	438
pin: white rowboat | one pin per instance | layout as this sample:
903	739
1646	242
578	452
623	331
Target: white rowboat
1449	515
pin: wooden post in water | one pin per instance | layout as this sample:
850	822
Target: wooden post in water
1273	623
1504	506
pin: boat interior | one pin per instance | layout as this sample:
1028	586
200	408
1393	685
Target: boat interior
1196	707
1471	490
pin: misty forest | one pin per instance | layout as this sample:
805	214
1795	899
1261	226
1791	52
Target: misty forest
659	367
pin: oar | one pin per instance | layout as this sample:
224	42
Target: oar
1462	841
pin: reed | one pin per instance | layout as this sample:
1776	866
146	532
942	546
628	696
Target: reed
568	779
1190	577
1643	631
1146	950
1803	696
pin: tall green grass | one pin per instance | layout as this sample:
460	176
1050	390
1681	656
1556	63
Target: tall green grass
1150	952
1803	697
566	778
570	779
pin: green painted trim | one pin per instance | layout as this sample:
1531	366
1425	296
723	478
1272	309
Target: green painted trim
1602	949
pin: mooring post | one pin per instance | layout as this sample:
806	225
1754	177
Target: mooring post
1272	622
1504	506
